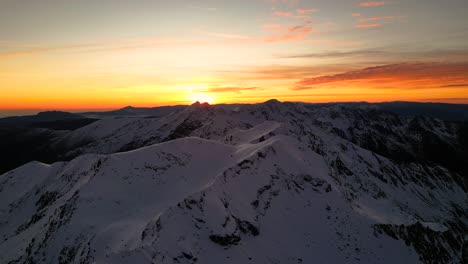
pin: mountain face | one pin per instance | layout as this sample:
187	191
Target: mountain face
267	183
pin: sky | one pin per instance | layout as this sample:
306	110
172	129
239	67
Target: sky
106	54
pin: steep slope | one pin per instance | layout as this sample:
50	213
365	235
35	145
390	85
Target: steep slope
403	139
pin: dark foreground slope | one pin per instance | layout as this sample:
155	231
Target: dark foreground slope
29	138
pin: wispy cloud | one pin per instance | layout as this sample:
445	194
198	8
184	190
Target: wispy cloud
122	44
283	14
299	33
280	72
371	4
290	15
276	33
454	85
388	55
299	13
285	33
376	18
229	89
418	74
306	11
374	21
28	50
272	27
375	25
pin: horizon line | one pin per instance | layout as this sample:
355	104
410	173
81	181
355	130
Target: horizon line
34	111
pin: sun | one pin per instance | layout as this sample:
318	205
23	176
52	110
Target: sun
202	98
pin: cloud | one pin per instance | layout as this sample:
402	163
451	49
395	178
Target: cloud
279	72
283	33
37	50
285	38
277	33
306	11
304	27
126	44
376	18
386	55
417	74
454	85
283	14
298	32
280	34
371	4
356	14
229	89
300	13
375	25
272	27
337	54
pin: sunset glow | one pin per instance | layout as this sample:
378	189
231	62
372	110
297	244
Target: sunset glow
109	54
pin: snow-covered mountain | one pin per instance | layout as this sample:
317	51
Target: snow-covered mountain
267	183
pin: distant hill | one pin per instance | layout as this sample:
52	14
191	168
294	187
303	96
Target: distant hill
131	111
40	117
54	120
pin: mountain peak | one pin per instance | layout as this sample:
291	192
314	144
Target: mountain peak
54	115
46	113
197	103
128	108
272	101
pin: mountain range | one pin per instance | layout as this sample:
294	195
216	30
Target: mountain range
263	183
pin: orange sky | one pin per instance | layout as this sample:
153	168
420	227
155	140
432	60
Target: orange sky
109	54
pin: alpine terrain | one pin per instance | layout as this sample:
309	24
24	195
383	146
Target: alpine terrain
275	183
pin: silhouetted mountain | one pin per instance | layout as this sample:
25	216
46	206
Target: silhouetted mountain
131	111
49	116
